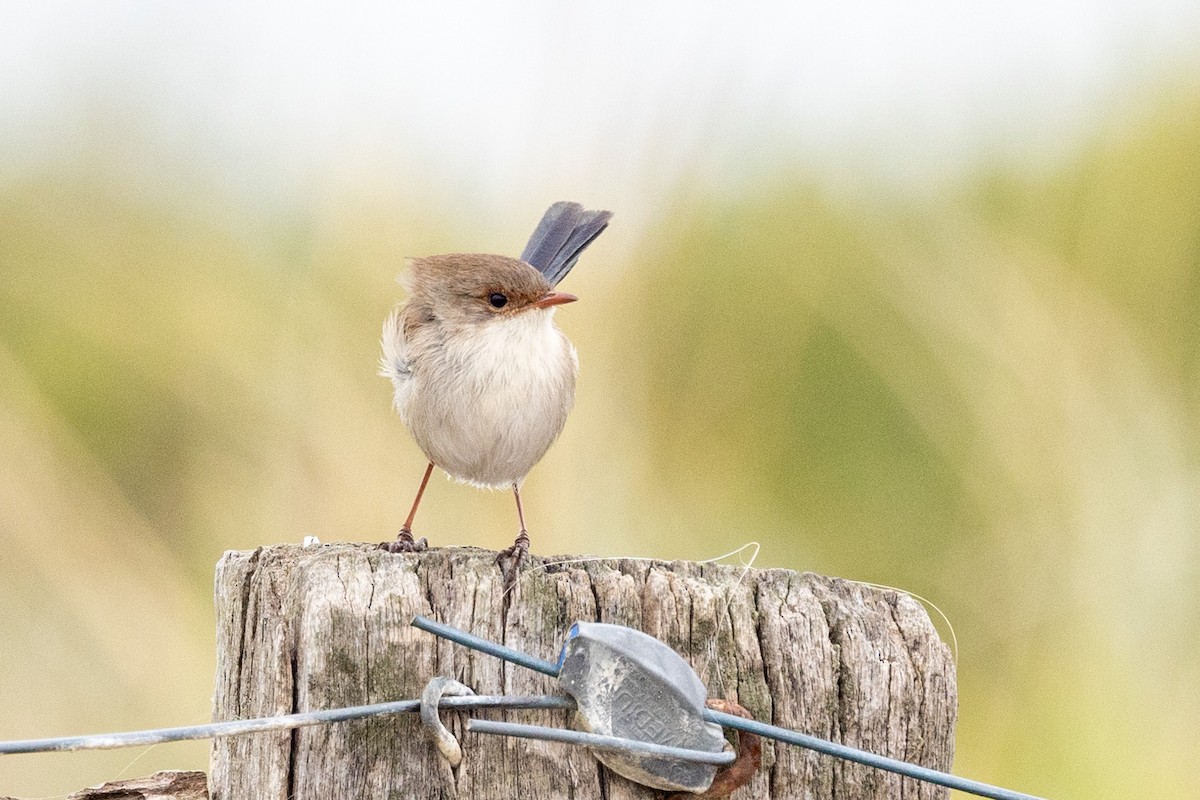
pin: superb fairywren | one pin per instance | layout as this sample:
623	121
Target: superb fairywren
483	377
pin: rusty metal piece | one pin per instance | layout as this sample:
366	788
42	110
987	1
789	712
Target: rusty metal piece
729	779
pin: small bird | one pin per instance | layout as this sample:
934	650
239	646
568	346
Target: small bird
483	377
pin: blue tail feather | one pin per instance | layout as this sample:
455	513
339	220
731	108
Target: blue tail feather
563	234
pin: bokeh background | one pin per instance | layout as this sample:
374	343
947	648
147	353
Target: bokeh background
907	293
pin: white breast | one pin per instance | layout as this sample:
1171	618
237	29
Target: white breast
487	403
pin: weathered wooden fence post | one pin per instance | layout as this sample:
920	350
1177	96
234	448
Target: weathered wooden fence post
326	626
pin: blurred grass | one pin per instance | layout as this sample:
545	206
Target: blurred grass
988	397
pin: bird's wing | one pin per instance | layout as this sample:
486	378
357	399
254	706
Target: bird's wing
565	231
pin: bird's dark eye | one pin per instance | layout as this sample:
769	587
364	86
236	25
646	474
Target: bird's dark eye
497	300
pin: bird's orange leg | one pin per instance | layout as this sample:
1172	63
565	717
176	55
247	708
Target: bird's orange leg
404	542
520	548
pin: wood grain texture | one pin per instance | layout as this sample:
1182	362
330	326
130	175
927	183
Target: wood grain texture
301	629
166	785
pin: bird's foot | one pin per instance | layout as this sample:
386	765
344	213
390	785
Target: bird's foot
404	543
514	556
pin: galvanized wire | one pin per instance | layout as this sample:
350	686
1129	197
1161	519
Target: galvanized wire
110	741
598	741
863	757
751	726
486	646
302	719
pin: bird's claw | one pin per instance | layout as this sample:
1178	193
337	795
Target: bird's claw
404	543
515	556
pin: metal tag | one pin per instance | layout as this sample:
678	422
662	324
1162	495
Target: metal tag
627	683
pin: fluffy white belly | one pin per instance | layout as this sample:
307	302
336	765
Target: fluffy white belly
487	405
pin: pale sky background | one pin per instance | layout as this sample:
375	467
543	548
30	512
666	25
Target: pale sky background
276	97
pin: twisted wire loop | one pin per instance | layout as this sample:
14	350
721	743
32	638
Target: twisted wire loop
432	695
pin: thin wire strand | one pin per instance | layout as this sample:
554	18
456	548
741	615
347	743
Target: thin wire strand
598	742
927	602
111	741
747	546
536	568
710	652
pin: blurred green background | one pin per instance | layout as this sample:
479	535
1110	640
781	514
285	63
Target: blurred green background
909	296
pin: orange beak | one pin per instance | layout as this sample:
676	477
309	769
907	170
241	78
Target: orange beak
554	299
